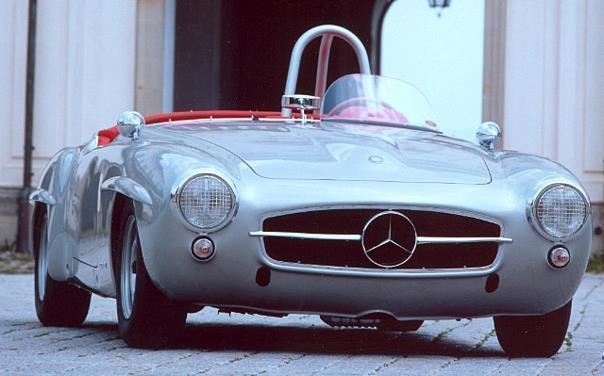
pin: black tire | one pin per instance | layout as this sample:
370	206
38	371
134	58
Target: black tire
57	303
148	319
533	336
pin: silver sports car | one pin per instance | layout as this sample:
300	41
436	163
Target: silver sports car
349	204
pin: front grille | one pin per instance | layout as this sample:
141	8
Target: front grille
349	253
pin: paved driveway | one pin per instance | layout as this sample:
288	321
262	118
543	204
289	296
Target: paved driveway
222	344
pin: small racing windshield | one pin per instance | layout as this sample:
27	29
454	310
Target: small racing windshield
376	99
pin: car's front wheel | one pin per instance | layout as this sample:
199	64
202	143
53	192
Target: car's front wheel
146	318
57	303
533	336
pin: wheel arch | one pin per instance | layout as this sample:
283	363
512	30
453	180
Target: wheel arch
118	221
39	209
124	191
119	202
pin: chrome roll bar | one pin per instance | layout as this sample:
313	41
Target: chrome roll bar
326	32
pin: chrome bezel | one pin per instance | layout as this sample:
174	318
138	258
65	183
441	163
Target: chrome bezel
549	260
534	220
203	259
175	202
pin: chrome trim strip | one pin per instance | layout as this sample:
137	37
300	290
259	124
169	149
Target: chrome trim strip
43	196
420	239
441	240
386	273
304	235
127	187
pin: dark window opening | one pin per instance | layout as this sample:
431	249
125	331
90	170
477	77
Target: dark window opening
235	54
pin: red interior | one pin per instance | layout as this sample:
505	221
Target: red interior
215	114
362	112
106	136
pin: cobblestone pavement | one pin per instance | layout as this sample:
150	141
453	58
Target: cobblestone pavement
298	344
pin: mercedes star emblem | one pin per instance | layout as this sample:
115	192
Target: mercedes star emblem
389	239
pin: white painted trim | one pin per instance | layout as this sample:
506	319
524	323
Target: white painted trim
168	79
553	85
13	57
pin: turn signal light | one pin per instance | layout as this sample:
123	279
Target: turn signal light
202	249
559	257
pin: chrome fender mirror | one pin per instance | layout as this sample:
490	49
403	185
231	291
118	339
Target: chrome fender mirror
130	124
488	135
301	102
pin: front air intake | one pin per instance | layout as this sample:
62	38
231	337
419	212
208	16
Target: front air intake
349	253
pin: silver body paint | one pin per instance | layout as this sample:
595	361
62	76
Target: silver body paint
278	167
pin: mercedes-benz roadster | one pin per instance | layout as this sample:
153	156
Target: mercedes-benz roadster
349	204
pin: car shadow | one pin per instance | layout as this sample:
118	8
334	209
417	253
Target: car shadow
323	340
295	339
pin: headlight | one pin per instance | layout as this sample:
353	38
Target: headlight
560	211
206	201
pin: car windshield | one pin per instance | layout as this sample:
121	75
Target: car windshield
376	99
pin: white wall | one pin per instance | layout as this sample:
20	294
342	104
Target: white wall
554	99
85	75
443	56
13	43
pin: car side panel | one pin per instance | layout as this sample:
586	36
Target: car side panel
92	208
57	179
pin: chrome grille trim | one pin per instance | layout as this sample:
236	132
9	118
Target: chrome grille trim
304	235
454	240
354	237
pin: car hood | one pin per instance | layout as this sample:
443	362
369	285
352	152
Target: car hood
343	152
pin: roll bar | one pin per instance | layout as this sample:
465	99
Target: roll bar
326	32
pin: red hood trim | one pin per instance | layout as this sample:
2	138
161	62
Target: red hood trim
215	114
106	136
